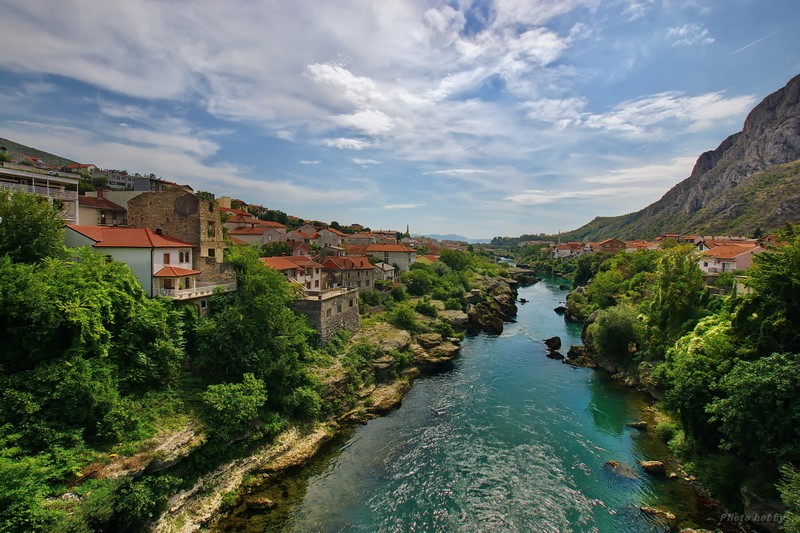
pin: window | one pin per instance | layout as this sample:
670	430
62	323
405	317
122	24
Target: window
316	283
211	230
339	308
203	304
351	302
328	313
166	259
212	252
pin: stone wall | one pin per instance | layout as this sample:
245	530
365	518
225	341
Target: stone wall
330	314
184	216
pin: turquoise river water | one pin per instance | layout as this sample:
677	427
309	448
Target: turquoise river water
506	439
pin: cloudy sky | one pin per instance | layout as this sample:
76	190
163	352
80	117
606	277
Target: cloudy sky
481	118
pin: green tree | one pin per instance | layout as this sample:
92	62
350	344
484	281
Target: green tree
30	228
679	295
230	409
617	333
276	249
759	408
789	488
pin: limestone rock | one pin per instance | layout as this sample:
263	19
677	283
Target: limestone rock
560	310
663	514
553	343
640	425
620	470
260	504
653	467
429	340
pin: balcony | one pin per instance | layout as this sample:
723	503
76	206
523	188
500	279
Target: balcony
49	192
199	291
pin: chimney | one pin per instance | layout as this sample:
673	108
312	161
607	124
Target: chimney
159	231
100	192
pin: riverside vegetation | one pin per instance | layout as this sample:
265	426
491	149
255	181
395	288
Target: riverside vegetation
727	368
111	402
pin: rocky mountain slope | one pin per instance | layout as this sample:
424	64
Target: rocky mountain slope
751	181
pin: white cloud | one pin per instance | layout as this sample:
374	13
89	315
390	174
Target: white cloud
345	143
689	34
671	172
643	117
359	161
312	162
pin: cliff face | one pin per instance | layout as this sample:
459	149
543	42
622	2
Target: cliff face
725	192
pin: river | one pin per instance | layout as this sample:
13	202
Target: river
504	440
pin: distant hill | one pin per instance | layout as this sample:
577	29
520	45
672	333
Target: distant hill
21	149
751	181
454	237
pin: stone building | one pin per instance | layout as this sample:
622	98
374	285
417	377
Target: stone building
185	216
330	310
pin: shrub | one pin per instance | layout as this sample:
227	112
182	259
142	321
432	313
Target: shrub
230	408
617	332
425	307
399	293
666	430
453	304
404	318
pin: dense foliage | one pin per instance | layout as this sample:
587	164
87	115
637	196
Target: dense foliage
729	364
90	365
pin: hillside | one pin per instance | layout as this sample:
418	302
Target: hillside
21	149
751	181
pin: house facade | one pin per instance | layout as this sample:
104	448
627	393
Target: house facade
728	258
161	263
353	272
394	254
99	211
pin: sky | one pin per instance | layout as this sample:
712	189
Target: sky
479	118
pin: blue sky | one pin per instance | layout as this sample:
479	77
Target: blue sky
479	118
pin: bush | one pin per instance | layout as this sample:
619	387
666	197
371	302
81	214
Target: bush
399	294
453	304
371	298
666	430
425	307
617	332
404	318
230	408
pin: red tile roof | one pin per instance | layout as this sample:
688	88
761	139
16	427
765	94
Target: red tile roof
388	248
729	251
99	203
291	262
175	272
116	237
335	232
347	263
248	231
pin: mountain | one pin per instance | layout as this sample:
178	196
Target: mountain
21	149
751	181
454	237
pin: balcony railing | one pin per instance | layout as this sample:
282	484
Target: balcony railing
42	191
196	292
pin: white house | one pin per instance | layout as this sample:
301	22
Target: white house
393	254
162	264
728	257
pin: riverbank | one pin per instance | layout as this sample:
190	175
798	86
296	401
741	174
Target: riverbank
399	358
505	439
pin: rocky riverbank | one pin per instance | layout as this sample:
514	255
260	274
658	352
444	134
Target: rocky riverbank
491	303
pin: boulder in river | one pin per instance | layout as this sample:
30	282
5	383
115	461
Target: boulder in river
640	425
653	467
620	470
554	354
560	310
553	343
260	504
663	514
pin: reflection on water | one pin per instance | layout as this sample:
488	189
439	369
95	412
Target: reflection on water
508	440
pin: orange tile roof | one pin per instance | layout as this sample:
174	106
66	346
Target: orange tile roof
116	237
388	248
175	272
729	251
99	203
335	232
248	231
347	263
291	262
